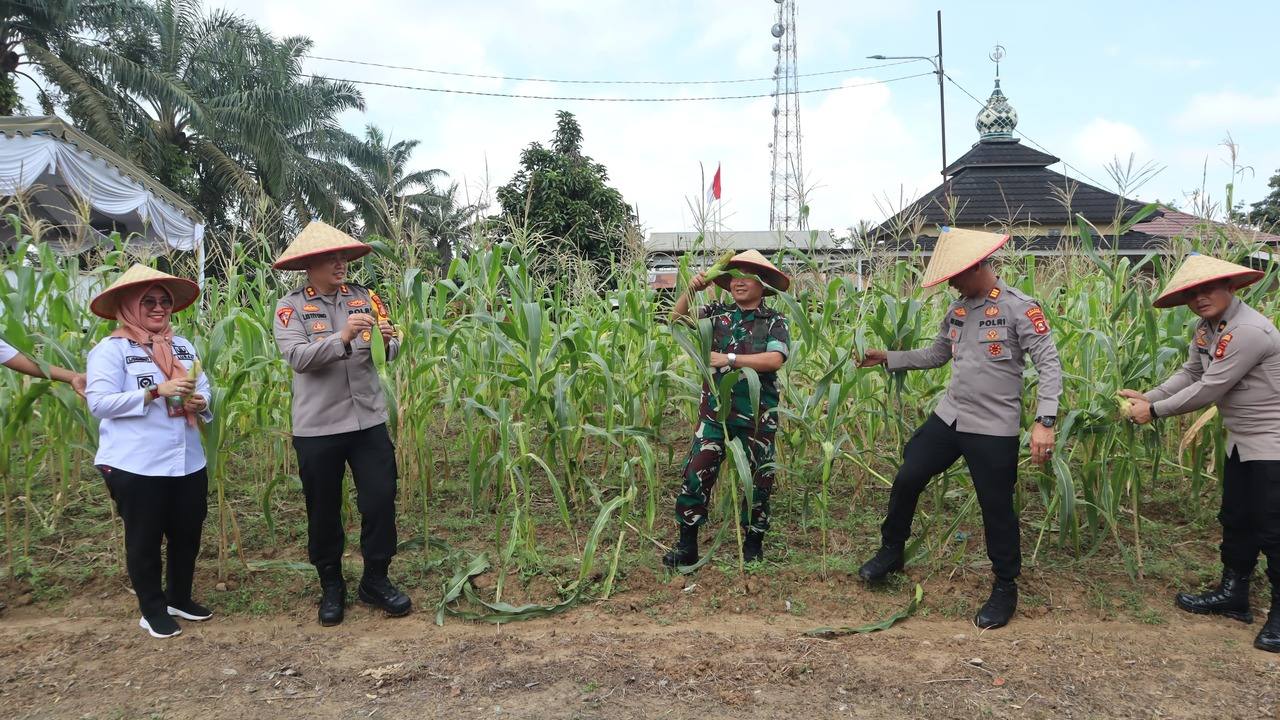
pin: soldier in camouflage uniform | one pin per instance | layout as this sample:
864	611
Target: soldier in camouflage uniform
745	333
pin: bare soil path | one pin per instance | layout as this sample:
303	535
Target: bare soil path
592	663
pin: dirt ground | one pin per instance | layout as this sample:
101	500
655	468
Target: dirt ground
689	649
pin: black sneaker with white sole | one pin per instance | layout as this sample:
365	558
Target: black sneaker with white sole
160	625
190	610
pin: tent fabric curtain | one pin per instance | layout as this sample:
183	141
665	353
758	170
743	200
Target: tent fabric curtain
24	159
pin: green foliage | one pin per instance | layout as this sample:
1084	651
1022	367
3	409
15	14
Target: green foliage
1266	212
563	194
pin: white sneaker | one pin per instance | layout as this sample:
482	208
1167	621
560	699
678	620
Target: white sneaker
164	631
191	611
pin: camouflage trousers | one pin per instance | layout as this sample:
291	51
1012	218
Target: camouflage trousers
703	467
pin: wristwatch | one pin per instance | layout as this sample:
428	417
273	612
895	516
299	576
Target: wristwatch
152	394
733	359
1047	420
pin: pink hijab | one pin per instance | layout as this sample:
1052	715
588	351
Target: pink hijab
129	317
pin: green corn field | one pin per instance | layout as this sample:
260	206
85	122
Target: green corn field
555	421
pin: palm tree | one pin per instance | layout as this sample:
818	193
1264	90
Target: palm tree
81	71
449	223
397	199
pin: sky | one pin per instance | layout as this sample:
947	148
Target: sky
1168	82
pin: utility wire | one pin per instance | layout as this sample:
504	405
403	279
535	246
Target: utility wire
1028	137
521	96
590	82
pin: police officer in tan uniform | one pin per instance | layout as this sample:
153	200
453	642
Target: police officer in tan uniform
986	334
1234	361
324	330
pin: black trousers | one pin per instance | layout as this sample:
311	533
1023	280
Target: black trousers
156	509
993	464
322	463
1250	515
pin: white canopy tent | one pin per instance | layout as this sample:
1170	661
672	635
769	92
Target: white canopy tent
67	176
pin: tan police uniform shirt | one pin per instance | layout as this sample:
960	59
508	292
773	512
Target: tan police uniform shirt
986	339
335	388
1236	364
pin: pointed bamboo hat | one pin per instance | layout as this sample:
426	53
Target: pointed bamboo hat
958	250
1200	269
106	304
753	262
319	238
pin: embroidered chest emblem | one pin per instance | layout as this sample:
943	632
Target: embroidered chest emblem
284	314
993	335
311	308
356	303
995	349
319	326
1221	350
991	311
961	312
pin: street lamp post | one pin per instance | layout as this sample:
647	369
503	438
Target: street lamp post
936	61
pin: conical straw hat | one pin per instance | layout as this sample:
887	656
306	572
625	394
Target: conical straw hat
958	250
106	303
318	238
753	262
1200	269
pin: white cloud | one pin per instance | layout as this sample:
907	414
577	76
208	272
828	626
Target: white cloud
1101	141
1230	109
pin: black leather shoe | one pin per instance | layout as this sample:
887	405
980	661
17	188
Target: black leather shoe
333	595
887	559
1230	598
380	593
686	550
1269	638
999	609
753	547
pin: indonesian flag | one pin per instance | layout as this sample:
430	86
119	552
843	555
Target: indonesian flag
713	190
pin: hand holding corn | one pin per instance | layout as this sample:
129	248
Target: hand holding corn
1134	406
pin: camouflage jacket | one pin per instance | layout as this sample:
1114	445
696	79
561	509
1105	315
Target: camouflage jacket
746	332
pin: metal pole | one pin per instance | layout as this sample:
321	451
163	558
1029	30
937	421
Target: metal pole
942	102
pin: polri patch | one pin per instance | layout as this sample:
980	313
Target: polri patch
1038	323
992	311
284	314
1221	350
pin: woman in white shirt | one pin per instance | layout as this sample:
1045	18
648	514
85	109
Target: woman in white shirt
149	448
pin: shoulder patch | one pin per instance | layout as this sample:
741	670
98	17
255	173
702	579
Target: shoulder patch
284	314
1221	350
344	289
310	292
995	293
1038	323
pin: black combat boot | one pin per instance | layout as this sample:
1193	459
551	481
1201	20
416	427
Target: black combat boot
333	595
999	609
1269	638
686	550
753	546
1231	598
378	591
887	559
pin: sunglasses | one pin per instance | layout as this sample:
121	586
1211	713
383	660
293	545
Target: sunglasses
150	303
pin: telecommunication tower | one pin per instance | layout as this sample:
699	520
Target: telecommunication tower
787	174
